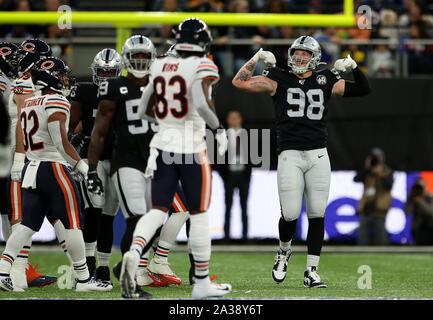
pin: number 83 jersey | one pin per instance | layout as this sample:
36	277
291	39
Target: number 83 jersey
181	128
132	135
301	107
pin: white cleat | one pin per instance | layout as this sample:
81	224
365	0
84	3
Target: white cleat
208	289
127	282
150	280
280	266
92	285
18	275
6	284
312	279
163	271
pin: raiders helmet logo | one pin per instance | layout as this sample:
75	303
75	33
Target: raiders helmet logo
321	79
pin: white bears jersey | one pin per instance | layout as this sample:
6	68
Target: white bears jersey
181	128
5	87
23	85
34	121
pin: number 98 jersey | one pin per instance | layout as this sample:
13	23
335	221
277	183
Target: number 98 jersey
301	107
132	134
181	128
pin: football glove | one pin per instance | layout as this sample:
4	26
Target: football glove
221	138
267	57
78	173
78	140
341	65
94	184
17	166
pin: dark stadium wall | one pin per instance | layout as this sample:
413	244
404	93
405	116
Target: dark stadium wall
397	116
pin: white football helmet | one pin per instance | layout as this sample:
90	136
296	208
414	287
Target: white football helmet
139	67
106	64
305	43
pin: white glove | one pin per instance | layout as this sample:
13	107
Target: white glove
267	57
341	65
79	172
221	138
5	160
18	166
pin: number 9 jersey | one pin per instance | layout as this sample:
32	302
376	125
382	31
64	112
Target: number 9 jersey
301	107
132	134
181	128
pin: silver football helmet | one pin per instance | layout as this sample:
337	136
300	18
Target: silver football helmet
139	67
106	64
305	43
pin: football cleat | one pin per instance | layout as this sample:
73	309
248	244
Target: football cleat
127	282
312	279
92	285
208	289
35	279
163	271
91	265
138	294
102	274
7	285
280	266
150	280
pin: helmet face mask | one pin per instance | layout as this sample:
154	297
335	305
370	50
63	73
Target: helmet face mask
138	53
192	35
106	64
299	63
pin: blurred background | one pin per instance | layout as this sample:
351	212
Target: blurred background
396	53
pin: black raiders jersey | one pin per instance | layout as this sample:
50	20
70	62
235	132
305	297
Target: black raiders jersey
86	93
301	107
132	134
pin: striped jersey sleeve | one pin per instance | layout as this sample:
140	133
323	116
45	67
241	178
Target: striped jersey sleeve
206	69
3	85
23	85
57	103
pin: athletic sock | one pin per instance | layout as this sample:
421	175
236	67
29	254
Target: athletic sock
90	248
147	226
60	230
316	232
200	244
103	259
172	226
22	258
162	251
75	244
105	233
14	246
142	265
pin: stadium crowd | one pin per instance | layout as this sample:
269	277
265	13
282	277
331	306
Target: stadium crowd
392	22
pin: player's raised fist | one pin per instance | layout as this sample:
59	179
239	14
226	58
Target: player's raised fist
341	65
267	57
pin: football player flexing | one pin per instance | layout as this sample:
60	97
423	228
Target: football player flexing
181	87
300	96
47	186
99	217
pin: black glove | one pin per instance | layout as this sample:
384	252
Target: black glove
78	140
94	184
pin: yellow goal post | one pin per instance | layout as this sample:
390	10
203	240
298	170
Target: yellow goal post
125	21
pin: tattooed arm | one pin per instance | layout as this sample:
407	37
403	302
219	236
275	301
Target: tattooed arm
259	84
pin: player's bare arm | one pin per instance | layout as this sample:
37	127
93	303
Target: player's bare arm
75	118
103	119
201	94
244	78
346	88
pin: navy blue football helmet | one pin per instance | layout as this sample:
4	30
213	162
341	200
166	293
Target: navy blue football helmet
8	59
52	73
30	51
192	35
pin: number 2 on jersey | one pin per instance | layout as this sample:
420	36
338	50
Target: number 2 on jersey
300	102
160	89
28	136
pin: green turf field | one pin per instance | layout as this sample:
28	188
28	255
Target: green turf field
393	275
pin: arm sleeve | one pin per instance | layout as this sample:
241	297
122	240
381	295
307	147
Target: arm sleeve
358	87
202	105
3	87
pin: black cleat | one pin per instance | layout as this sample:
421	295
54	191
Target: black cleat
91	265
312	279
116	270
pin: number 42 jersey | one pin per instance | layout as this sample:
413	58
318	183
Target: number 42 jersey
181	128
301	107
